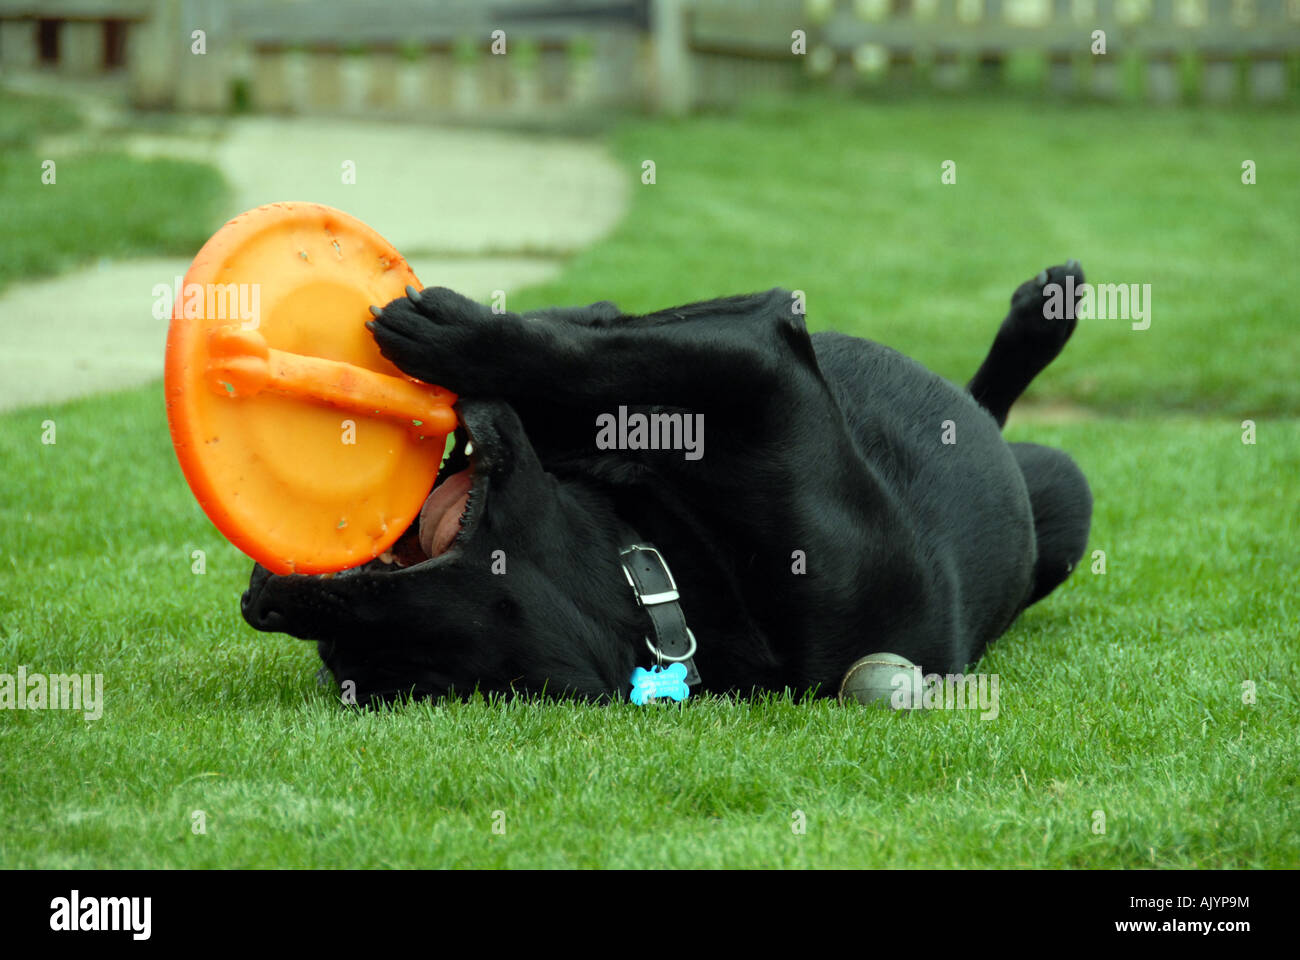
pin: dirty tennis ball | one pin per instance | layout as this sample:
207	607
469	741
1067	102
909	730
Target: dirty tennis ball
878	677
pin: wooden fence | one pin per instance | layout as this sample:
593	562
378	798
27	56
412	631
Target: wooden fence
538	61
522	61
1216	50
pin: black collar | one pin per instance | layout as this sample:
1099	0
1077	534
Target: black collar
670	640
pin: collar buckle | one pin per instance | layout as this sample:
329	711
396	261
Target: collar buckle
649	599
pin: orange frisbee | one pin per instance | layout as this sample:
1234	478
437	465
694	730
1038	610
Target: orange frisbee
306	448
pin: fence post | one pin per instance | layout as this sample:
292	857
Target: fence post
671	56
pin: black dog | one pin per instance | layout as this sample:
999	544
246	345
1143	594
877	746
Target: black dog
848	501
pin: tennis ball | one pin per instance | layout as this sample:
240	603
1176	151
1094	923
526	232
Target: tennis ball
878	677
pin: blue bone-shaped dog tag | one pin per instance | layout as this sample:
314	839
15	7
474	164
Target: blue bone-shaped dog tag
659	682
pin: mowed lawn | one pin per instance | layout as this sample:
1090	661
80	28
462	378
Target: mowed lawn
1148	716
63	211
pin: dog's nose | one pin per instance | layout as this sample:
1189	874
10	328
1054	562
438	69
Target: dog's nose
260	616
255	605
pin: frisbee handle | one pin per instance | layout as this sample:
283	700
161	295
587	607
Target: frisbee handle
240	364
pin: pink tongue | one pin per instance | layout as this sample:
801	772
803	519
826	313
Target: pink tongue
440	516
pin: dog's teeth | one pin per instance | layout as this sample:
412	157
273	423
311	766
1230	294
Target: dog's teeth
326	576
386	556
376	311
412	294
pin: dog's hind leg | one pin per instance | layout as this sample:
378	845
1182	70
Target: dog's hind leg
1062	506
1029	339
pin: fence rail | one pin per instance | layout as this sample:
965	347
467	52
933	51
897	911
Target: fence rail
439	58
957	43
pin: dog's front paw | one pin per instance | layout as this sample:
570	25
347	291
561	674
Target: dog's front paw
438	336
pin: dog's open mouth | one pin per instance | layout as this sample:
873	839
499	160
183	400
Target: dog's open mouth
447	519
443	513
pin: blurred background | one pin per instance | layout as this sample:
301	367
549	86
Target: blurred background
503	146
431	59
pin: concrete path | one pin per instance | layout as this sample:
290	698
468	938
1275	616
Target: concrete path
473	210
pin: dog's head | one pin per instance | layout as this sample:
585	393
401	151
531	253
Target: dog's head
508	581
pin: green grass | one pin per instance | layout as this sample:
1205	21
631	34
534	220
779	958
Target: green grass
24	117
1122	692
101	204
844	201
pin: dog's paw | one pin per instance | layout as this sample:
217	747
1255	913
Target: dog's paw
441	337
1043	308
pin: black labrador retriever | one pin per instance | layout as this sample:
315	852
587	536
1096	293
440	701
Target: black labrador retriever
847	501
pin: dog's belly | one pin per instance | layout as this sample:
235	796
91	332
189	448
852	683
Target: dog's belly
943	456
